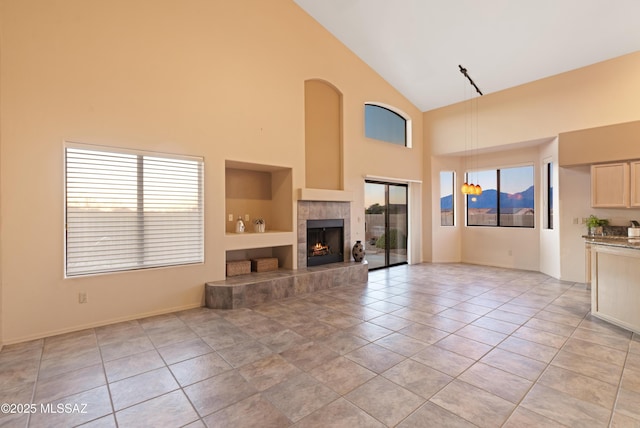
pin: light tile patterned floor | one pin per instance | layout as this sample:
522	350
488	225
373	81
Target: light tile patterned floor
418	346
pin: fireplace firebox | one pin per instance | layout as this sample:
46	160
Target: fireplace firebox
325	241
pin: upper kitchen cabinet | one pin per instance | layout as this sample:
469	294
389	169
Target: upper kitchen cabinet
610	185
635	184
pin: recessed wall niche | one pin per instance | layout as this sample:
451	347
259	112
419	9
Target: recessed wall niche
323	136
258	191
264	191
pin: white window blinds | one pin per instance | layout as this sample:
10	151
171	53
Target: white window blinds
131	210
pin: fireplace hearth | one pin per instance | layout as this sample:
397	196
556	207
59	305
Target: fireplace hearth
325	241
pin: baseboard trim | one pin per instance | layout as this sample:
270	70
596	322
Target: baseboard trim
100	324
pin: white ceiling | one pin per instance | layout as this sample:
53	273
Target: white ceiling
417	45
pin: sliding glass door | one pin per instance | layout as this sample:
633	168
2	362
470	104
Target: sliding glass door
386	224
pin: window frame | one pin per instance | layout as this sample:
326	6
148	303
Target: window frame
453	198
498	193
548	194
395	111
187	170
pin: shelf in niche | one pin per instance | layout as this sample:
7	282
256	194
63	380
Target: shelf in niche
265	191
259	190
270	238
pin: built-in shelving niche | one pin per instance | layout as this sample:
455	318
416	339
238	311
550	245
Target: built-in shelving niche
283	253
264	191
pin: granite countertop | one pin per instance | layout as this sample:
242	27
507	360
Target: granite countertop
614	241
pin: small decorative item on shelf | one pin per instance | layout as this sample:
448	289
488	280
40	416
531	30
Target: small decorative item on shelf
240	225
358	251
258	225
238	267
264	264
595	225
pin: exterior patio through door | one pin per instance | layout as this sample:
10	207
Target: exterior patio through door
386	224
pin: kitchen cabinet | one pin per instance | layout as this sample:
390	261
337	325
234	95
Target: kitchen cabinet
615	285
610	185
634	199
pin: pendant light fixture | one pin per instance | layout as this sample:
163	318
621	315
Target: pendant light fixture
470	188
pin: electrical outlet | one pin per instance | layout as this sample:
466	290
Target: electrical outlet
230	217
82	297
246	217
575	220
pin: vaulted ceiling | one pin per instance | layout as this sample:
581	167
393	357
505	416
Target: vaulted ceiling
417	45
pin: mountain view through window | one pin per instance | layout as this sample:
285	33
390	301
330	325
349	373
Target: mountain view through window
507	198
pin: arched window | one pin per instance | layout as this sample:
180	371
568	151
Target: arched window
384	124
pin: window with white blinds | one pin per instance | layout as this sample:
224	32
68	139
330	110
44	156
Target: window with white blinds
130	210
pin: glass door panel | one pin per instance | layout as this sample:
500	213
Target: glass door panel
375	224
386	224
397	224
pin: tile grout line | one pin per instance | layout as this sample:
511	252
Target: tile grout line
106	379
356	296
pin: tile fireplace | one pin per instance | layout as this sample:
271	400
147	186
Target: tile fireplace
334	212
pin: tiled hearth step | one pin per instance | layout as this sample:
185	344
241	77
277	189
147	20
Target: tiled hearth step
255	288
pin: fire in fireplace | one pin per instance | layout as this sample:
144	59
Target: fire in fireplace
325	241
320	250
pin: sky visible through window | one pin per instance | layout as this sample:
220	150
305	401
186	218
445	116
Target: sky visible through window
515	180
507	197
512	180
374	194
383	124
447	184
447	189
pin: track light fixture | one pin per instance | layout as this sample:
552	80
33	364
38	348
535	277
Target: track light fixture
470	188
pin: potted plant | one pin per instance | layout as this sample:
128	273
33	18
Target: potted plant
258	225
595	224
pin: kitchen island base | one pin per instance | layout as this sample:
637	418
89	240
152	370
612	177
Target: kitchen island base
615	285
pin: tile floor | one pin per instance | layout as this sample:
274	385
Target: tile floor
428	345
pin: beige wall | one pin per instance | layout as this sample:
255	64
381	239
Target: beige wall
529	118
601	144
574	203
222	80
602	94
446	241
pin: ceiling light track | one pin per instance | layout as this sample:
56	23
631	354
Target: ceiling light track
470	188
464	71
